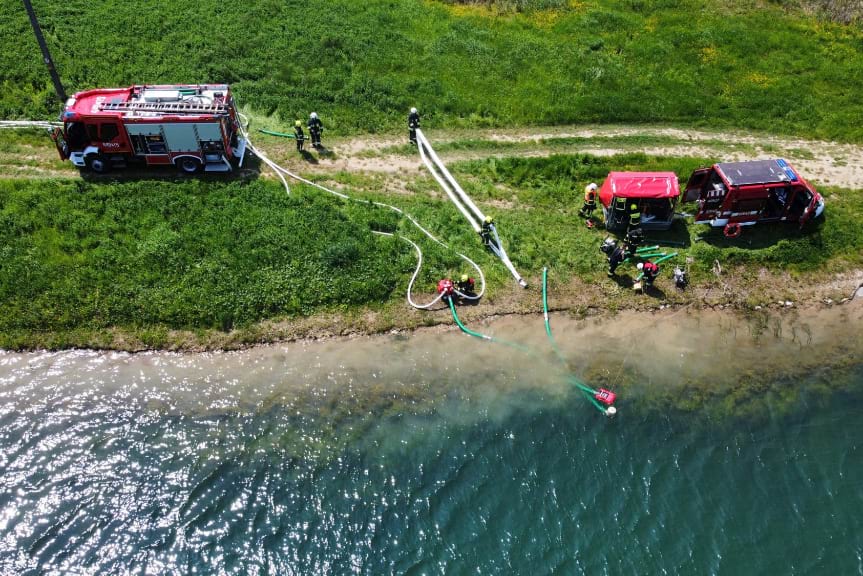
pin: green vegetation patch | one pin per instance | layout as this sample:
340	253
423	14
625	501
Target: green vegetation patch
190	254
361	65
203	254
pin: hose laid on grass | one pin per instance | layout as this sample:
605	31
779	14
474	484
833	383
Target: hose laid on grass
463	202
281	172
44	124
663	259
274	133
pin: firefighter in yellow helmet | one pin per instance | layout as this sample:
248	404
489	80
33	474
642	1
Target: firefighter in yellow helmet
634	216
466	285
485	233
589	200
299	135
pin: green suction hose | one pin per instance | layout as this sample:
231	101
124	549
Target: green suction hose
588	391
470	332
272	133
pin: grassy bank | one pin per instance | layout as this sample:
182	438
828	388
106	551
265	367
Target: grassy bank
769	66
80	260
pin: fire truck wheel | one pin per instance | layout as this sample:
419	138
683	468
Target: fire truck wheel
97	163
189	165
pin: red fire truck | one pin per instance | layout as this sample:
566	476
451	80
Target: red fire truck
194	127
736	194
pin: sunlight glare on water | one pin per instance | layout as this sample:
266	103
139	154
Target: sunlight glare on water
436	453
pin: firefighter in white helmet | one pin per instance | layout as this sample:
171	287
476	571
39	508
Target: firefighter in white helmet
413	124
589	200
315	129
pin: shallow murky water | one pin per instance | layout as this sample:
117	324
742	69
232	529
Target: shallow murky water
737	450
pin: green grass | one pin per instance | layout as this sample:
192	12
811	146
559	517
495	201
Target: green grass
361	65
193	254
79	259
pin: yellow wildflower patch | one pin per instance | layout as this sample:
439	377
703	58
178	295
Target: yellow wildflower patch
759	79
709	55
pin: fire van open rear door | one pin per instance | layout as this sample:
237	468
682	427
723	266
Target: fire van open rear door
695	188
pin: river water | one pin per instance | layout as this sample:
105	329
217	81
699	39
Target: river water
738	449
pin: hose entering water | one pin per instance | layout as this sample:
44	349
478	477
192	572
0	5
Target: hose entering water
587	390
470	332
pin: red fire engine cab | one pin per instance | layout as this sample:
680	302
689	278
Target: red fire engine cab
194	127
736	194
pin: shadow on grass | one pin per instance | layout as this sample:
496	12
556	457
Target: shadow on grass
759	236
675	237
250	170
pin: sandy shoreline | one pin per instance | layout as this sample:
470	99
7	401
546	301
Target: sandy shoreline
735	291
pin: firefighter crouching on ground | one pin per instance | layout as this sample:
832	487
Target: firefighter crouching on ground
650	272
466	286
485	233
680	279
299	135
616	254
413	124
315	129
589	201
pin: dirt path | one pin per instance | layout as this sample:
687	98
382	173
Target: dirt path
823	163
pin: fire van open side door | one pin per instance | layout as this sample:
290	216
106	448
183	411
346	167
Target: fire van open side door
696	185
60	141
695	189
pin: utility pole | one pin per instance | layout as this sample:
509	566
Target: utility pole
46	55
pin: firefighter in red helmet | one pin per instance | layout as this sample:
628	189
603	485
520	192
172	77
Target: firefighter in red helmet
650	272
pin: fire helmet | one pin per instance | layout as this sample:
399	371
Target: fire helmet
413	110
313	115
464	278
640	265
592	186
298	123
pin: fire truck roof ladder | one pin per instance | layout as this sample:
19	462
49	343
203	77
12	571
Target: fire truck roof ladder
166	107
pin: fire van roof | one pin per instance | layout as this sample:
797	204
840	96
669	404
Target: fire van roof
757	172
639	185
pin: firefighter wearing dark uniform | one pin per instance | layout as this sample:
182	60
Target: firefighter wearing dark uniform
465	285
299	135
650	272
634	216
413	124
589	201
485	233
616	258
634	239
315	129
